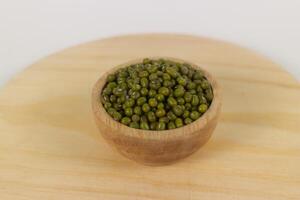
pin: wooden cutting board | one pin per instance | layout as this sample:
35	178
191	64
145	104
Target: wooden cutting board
50	147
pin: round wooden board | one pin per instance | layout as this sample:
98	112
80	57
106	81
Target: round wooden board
50	147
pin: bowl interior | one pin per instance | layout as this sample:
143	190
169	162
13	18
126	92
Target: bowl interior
185	131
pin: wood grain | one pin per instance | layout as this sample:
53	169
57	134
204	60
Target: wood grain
50	147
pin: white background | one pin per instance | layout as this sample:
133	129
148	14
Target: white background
32	29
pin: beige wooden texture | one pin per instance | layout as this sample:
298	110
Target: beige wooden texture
50	147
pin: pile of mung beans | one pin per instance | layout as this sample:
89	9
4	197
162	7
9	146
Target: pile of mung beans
156	94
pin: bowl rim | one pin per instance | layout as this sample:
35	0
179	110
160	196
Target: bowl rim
184	131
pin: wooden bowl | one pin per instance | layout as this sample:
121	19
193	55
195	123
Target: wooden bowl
156	147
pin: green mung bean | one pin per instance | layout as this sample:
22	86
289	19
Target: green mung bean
157	94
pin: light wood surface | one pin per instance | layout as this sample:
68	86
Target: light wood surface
50	147
156	147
